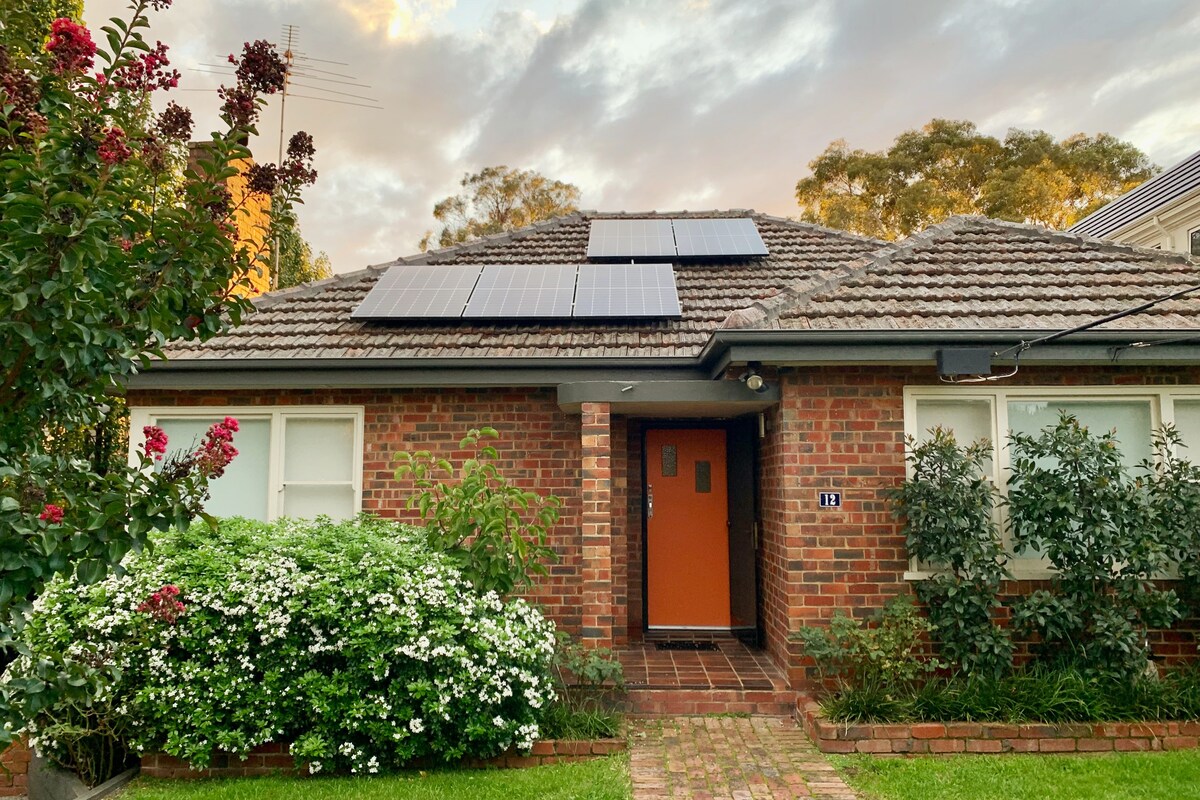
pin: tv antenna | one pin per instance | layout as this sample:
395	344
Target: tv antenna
298	64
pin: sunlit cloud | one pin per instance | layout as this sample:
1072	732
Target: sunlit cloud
400	20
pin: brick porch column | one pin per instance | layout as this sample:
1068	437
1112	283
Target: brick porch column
597	526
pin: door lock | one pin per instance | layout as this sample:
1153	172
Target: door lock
649	501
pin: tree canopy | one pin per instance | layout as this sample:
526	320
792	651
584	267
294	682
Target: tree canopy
949	167
99	268
498	199
297	264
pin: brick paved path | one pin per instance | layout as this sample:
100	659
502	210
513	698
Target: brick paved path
728	758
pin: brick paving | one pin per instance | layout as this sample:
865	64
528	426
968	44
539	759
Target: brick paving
728	758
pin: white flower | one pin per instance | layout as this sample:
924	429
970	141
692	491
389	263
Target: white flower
416	724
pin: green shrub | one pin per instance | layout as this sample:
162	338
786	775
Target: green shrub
1071	497
947	508
885	657
495	532
350	640
1038	694
587	681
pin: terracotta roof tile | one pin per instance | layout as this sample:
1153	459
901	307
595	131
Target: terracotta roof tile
313	321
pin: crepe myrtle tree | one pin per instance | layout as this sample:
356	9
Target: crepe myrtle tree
102	262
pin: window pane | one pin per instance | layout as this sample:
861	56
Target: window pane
970	420
242	490
318	449
306	501
1130	419
1187	420
1194	242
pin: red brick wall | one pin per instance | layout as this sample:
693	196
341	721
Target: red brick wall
842	429
540	449
14	769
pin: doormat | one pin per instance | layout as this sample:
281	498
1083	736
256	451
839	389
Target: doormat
686	645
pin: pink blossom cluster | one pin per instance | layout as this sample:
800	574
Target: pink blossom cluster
217	450
156	441
147	73
52	514
114	149
164	604
71	45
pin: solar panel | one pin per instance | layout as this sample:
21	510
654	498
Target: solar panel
626	290
531	290
419	292
718	237
629	238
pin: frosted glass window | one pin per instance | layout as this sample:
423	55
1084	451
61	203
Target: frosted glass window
1187	421
242	490
1130	418
305	501
318	449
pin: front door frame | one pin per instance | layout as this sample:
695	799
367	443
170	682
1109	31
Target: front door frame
731	426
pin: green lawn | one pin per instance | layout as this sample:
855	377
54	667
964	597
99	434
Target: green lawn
601	779
1128	776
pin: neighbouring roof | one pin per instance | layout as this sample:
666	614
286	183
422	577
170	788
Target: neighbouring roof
1144	200
972	273
313	321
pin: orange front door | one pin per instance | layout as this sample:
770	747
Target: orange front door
687	529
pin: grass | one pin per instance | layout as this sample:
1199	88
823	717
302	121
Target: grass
599	779
1129	776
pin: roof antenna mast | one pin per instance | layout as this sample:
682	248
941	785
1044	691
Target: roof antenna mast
297	64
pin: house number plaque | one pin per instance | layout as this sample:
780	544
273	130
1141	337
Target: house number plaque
830	499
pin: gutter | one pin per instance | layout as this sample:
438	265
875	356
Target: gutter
725	348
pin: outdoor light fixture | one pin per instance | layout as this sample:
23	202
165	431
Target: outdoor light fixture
754	382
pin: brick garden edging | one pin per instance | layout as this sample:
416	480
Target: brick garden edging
921	738
271	759
14	769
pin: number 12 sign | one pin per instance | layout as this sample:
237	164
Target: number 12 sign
830	499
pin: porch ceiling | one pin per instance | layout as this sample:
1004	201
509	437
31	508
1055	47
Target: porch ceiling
719	398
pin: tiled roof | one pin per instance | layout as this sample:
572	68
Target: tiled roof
1143	200
313	321
975	273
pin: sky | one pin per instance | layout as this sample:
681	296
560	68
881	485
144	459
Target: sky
670	104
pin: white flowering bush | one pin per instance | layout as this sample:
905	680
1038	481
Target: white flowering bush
351	641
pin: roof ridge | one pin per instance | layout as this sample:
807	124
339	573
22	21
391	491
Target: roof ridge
768	309
442	253
1104	245
818	228
313	288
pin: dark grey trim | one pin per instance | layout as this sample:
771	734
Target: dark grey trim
354	374
806	347
677	394
723	349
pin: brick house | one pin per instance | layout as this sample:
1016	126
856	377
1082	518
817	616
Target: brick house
722	469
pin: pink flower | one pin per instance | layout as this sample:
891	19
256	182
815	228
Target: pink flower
147	73
217	450
114	149
52	514
163	606
71	45
156	441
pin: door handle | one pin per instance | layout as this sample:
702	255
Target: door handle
649	501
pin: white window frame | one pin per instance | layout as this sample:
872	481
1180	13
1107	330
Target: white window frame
1161	399
141	416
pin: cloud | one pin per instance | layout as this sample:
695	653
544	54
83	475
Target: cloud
667	104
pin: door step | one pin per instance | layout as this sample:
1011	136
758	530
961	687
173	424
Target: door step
672	701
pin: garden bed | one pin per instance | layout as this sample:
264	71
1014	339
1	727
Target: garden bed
274	759
923	738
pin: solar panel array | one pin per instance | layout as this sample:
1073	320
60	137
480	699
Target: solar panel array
420	291
682	238
718	237
511	291
620	238
626	290
529	291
